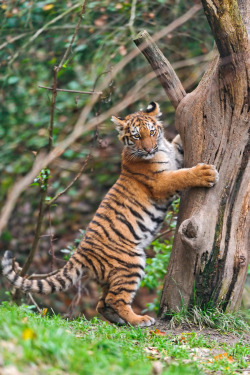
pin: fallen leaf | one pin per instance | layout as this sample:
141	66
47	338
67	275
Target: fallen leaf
157	332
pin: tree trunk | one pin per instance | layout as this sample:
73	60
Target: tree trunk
210	255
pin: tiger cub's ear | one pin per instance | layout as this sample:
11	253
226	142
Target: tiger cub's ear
153	109
119	123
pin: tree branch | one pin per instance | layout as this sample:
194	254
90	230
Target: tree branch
162	68
227	27
72	91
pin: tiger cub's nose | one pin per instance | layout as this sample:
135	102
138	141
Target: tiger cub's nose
149	150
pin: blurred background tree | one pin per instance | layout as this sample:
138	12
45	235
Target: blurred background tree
34	35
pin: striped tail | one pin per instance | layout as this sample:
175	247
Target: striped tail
65	278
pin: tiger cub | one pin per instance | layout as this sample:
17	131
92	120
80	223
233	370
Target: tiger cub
127	220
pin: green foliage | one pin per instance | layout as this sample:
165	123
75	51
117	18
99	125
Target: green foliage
42	179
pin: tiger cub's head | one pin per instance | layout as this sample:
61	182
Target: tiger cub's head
141	132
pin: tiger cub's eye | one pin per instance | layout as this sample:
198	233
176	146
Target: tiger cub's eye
152	132
136	136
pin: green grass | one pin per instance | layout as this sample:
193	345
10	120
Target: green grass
31	343
211	317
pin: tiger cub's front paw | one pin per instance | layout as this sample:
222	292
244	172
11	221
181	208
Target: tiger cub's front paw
206	175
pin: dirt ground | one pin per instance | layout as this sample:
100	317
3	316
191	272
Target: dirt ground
212	334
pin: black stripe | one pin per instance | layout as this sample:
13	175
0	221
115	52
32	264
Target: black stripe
117	232
143	228
120	290
120	216
133	212
113	248
78	261
102	268
111	240
138	204
9	272
144	183
15	279
22	283
90	262
122	282
179	149
136	173
119	260
160	171
61	282
120	300
65	274
78	273
40	286
52	285
100	225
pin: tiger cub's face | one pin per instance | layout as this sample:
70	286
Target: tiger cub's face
141	131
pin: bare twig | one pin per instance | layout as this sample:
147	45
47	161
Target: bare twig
34	302
42	275
68	50
73	91
80	126
49	203
51	236
12	40
163	234
132	17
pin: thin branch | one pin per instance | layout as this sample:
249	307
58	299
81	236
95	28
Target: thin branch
68	50
43	275
80	126
49	203
132	17
73	91
164	71
12	40
34	303
163	234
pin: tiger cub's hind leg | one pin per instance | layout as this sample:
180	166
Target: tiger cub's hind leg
120	302
106	311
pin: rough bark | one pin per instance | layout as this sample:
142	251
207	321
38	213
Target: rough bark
210	255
